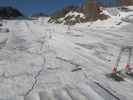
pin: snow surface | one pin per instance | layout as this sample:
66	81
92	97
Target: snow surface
75	14
38	59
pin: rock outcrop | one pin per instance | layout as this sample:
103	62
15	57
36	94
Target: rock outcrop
9	13
71	15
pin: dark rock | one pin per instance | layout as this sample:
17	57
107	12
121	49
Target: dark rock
9	13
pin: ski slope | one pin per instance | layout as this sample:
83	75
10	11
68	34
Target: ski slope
42	61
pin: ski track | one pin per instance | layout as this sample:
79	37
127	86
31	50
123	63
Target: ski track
56	54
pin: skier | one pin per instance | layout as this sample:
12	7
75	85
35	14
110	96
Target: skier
128	62
126	44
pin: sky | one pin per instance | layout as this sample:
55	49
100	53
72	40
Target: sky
29	7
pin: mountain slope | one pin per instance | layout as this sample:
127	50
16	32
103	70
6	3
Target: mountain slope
9	13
